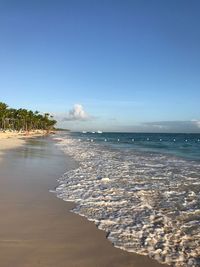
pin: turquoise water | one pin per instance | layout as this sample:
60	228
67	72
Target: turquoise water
183	145
142	189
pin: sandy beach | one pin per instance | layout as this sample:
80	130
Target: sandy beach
9	140
37	228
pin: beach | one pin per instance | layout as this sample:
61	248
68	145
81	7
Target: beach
37	228
11	139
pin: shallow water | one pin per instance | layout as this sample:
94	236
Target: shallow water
147	201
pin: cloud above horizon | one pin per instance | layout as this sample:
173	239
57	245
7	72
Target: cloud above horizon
77	113
173	126
85	121
190	126
196	122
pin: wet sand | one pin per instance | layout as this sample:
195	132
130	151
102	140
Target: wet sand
9	140
37	228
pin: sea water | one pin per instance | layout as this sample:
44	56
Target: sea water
142	189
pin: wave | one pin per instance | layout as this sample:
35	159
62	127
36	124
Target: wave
148	203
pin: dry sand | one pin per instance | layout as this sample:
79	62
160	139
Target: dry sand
37	228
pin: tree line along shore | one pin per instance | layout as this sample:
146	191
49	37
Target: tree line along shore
24	120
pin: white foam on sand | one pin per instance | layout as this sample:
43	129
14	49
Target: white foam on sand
147	203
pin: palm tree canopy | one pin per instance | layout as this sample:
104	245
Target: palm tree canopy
23	119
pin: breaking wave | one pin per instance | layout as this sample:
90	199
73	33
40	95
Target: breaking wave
148	203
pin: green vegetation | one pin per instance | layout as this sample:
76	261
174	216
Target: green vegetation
24	120
62	130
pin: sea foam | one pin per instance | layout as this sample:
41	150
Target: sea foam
148	203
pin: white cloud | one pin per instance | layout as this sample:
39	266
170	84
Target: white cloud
196	122
174	126
77	113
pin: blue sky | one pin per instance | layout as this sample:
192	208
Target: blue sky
126	65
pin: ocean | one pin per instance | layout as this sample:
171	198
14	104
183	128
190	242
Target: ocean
142	189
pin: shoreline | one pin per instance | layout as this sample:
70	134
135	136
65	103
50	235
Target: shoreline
45	232
11	140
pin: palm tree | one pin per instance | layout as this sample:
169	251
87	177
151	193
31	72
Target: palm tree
3	112
11	118
23	119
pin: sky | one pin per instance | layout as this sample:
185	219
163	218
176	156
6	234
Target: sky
128	65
